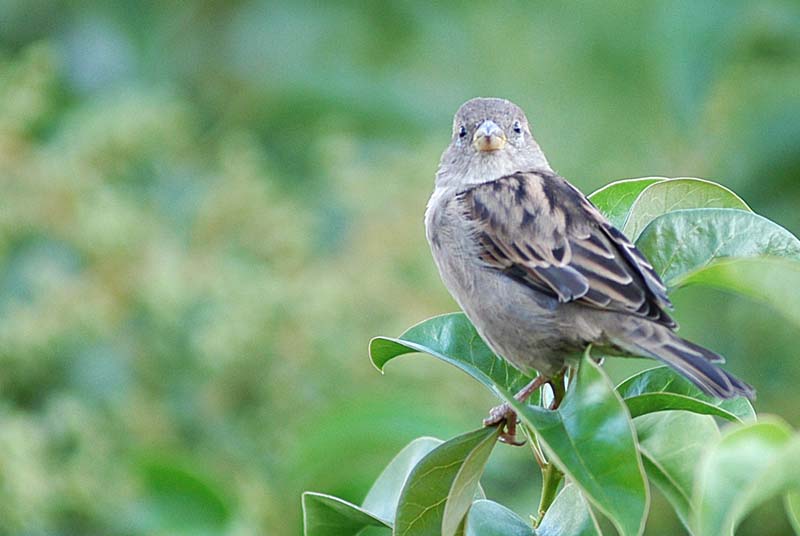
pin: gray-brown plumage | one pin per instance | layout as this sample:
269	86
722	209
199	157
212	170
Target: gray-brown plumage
539	271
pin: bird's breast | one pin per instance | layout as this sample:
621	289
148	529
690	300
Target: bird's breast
449	235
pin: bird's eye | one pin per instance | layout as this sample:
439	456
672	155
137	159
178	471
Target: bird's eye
462	132
517	127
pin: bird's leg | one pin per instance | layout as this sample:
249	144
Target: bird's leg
557	385
599	359
503	412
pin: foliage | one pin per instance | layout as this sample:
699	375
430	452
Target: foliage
608	442
206	208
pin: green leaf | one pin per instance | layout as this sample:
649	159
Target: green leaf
591	439
792	502
614	200
325	515
676	194
662	389
381	500
672	445
453	339
442	486
569	515
685	241
772	280
568	434
748	466
488	518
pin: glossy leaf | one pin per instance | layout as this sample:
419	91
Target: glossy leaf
568	434
569	515
672	445
662	389
488	518
325	515
772	280
605	466
615	200
677	194
792	502
381	500
453	339
748	466
685	241
442	486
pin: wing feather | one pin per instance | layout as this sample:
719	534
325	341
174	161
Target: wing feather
542	232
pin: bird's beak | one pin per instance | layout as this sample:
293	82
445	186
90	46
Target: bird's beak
489	137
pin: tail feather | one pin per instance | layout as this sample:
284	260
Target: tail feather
691	360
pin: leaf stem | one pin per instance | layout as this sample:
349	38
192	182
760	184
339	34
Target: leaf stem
551	478
551	475
541	460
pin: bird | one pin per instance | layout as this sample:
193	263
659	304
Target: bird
536	267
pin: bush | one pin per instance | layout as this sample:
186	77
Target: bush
713	460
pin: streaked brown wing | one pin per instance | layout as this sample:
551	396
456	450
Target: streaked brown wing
542	232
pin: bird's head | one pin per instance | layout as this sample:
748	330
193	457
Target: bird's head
491	138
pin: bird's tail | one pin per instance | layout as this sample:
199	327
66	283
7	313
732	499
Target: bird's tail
691	360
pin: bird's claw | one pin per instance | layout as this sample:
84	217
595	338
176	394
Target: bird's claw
504	416
498	414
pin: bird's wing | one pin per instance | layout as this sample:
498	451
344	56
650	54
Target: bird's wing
541	231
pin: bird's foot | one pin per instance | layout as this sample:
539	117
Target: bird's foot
498	414
506	417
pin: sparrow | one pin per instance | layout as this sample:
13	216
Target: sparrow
536	267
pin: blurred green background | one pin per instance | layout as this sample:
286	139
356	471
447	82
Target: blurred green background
208	208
